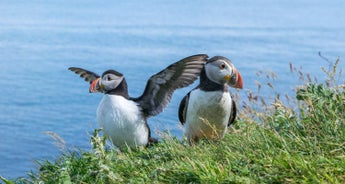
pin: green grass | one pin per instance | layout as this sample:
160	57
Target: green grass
298	139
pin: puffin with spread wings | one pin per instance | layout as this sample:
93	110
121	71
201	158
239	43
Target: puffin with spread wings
209	109
124	118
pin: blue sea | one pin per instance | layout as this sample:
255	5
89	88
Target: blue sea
40	39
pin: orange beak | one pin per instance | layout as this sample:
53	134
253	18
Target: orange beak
94	86
239	81
235	80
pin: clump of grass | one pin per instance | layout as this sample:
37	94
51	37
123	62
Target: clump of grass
281	139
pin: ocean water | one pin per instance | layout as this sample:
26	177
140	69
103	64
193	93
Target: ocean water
39	40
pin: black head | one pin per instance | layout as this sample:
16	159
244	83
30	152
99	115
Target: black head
111	82
221	71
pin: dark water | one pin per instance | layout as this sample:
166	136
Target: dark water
39	40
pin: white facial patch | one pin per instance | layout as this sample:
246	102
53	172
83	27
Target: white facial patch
110	81
216	71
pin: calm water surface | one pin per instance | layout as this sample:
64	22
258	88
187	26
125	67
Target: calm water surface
39	40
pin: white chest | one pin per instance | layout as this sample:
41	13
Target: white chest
207	114
122	121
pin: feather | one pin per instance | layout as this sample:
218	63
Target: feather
87	75
160	87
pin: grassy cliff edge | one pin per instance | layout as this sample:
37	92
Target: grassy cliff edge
285	140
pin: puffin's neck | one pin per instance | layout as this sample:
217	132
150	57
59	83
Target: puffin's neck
121	90
207	85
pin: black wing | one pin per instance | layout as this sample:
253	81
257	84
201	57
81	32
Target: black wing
87	75
182	110
232	113
160	87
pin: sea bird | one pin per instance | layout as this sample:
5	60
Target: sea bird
207	110
124	118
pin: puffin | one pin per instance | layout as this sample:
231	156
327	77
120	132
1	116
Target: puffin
122	118
207	110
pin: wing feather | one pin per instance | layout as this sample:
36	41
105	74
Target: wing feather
182	110
160	87
232	113
87	75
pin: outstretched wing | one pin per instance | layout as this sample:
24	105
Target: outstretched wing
87	75
160	87
233	113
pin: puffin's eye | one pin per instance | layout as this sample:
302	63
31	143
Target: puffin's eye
222	66
108	78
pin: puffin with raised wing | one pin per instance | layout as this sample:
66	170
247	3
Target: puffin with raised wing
124	118
209	109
